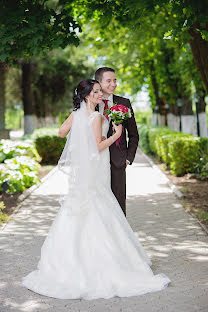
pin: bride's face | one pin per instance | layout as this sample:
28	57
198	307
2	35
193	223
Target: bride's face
96	94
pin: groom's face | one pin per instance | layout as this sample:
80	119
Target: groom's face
108	83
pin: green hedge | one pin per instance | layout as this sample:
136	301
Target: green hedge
49	148
155	133
185	154
163	145
41	132
182	152
144	138
148	136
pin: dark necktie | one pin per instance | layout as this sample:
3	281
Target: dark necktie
105	107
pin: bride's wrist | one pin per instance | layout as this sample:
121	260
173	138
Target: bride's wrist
115	136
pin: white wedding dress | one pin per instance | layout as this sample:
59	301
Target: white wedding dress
96	254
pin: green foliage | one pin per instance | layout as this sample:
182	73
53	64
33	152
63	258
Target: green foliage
63	117
13	119
30	27
150	43
20	167
50	148
44	131
185	154
154	133
40	132
55	78
182	152
10	149
148	136
143	117
20	173
144	138
3	216
163	144
201	168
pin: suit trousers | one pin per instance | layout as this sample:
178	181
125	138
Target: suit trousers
118	185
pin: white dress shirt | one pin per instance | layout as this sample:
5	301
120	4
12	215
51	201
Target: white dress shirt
102	105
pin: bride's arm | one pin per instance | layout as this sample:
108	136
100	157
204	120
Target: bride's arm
97	128
66	126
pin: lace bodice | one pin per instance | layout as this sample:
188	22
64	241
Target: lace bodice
105	124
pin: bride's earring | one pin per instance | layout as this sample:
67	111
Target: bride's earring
88	102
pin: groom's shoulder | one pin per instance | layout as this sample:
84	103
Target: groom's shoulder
117	99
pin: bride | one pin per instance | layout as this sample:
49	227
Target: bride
91	251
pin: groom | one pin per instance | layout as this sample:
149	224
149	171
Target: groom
122	155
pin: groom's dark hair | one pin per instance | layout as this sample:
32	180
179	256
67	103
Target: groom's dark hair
100	71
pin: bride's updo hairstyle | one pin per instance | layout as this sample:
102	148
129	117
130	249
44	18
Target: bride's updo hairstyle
82	90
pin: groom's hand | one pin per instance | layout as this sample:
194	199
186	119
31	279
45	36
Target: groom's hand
127	162
103	138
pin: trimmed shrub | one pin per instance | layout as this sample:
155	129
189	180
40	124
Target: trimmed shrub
163	143
155	132
49	148
144	138
44	131
182	152
40	132
185	153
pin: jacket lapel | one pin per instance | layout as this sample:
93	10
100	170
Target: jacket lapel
115	101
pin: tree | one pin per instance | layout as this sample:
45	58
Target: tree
3	133
156	34
27	28
55	78
185	20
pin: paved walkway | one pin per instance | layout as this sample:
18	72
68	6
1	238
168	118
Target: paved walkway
174	241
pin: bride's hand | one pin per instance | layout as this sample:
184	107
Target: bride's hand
118	129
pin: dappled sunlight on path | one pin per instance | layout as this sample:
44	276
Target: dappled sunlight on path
174	241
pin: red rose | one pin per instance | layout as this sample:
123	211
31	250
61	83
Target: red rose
119	108
122	108
114	108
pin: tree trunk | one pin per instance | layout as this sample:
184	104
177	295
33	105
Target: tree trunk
187	115
155	84
2	95
199	49
158	118
27	98
202	116
201	103
186	108
4	134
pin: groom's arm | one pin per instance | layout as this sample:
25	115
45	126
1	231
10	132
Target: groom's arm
133	136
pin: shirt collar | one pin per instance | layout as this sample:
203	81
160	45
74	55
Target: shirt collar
110	98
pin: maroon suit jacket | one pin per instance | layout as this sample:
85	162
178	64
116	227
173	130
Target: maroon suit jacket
119	155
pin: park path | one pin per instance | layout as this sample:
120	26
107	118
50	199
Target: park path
175	242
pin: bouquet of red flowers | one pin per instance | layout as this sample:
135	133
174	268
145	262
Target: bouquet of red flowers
118	113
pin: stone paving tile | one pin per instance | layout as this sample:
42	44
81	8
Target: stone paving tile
172	238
